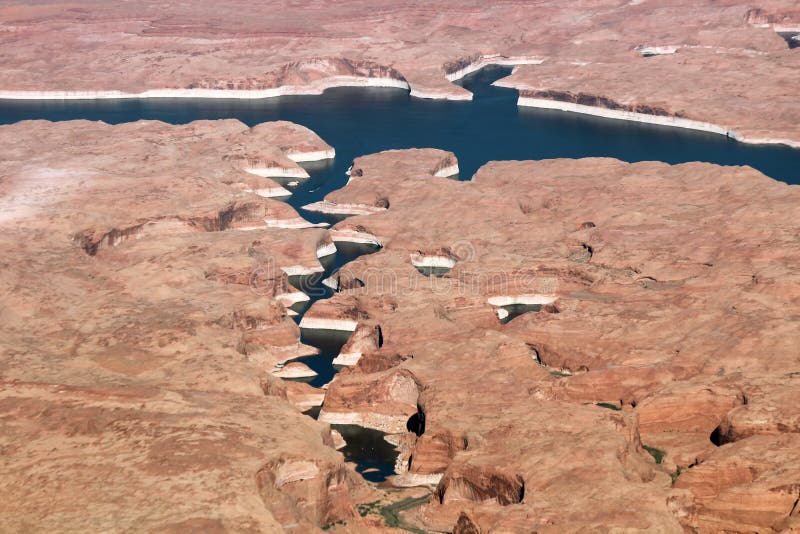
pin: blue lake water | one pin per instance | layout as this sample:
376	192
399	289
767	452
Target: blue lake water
358	121
374	456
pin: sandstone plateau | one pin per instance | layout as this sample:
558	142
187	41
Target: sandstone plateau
551	346
722	63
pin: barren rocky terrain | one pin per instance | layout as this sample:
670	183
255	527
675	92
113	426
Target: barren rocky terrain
651	385
552	346
140	323
671	326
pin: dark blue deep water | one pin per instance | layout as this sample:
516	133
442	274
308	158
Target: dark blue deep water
358	121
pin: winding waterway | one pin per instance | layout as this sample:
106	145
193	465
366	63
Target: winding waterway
358	121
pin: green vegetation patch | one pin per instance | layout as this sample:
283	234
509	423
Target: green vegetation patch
674	476
657	454
390	512
365	509
609	406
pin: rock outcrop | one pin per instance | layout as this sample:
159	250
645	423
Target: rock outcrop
306	72
144	289
772	408
384	401
751	485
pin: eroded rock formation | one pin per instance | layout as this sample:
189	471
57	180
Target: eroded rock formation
140	325
157	347
654	346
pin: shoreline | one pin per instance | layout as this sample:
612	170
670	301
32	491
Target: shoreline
386	423
466	95
320	86
315	88
302	270
279	172
660	120
291	298
239	94
525	300
332	208
347	359
430	95
325	250
432	261
272	192
322	323
486	61
352	236
311	156
294	370
446	172
292	224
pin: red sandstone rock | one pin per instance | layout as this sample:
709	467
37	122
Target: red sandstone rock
137	355
304	396
649	311
148	458
386	405
686	407
635	84
631	326
143	363
772	408
750	485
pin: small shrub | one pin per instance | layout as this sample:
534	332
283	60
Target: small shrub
674	476
366	508
657	454
609	406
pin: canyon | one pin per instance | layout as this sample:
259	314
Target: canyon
208	325
632	264
146	316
